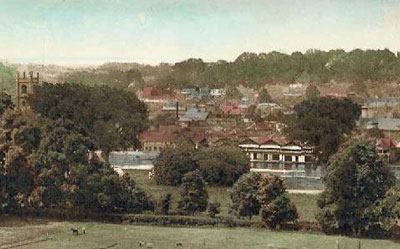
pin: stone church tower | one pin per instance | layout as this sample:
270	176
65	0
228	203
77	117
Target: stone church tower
25	86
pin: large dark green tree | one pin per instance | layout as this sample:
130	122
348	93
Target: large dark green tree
323	122
194	196
355	188
264	97
112	118
244	196
276	207
48	164
173	163
222	165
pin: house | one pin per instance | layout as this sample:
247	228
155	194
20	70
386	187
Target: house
264	150
171	106
122	160
217	92
379	107
160	139
194	114
385	146
169	135
391	126
189	90
294	90
151	94
232	109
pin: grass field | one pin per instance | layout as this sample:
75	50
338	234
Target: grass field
306	203
101	235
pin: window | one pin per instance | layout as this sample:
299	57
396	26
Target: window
24	89
275	157
288	158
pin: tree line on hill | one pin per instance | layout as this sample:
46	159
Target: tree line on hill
256	70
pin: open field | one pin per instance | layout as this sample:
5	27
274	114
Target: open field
306	203
101	235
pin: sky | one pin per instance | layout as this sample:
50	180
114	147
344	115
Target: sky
153	31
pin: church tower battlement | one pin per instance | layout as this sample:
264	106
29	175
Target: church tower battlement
25	87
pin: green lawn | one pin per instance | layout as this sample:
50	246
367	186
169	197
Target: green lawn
100	235
306	203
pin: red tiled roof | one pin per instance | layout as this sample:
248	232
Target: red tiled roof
232	109
281	140
158	136
150	92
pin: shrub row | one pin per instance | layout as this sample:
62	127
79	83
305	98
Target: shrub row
169	220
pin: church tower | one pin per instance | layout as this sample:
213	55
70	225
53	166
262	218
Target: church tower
25	86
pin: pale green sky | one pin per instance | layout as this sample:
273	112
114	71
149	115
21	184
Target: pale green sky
153	31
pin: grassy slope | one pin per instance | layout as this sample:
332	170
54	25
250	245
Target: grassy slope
101	235
306	203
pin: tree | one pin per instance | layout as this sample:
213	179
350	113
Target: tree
243	196
312	92
356	183
264	97
165	204
19	137
194	196
173	163
323	122
112	118
214	208
276	207
390	208
222	165
48	164
233	93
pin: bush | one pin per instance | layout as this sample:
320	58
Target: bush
164	204
194	196
243	196
173	163
276	207
280	210
222	165
214	209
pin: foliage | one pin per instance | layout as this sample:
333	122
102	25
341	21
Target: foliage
390	208
194	196
5	102
264	97
165	204
48	164
322	122
243	196
256	70
233	93
356	182
173	163
165	118
112	118
214	208
312	92
222	165
7	79
115	78
276	207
